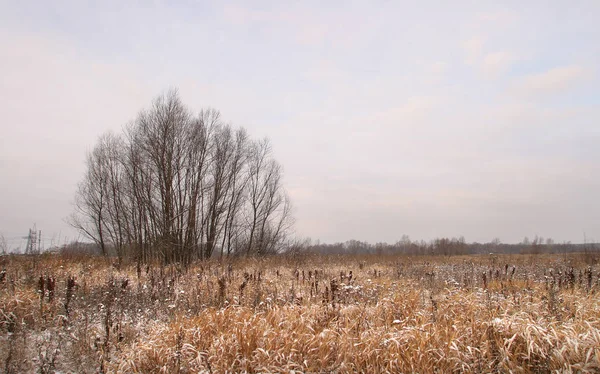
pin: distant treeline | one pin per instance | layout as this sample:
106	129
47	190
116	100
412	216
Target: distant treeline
448	247
437	247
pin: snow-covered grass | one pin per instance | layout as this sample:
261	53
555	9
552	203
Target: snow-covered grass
306	314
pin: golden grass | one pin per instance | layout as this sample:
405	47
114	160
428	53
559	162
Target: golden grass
273	315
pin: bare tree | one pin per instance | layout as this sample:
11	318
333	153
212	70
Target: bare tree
3	245
91	199
178	186
265	198
236	183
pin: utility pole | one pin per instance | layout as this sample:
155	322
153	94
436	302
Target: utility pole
33	241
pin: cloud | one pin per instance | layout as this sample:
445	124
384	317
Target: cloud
491	64
438	67
413	109
497	63
312	35
56	102
504	18
473	48
241	15
553	81
380	117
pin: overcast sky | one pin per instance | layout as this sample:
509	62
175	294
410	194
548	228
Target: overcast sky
445	118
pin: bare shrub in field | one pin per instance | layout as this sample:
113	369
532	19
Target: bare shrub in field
304	313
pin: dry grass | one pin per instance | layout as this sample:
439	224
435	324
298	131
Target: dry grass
393	314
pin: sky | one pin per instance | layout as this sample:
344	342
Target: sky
431	119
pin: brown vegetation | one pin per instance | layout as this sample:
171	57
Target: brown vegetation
489	313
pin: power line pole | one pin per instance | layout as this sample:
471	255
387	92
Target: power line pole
33	241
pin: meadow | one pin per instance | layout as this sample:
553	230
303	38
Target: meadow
302	313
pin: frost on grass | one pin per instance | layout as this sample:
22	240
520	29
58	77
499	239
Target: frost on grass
393	314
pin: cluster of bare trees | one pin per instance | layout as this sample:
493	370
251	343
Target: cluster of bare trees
445	247
177	187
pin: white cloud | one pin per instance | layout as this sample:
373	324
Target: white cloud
474	49
380	126
312	35
491	64
55	103
439	67
552	81
241	15
497	63
504	18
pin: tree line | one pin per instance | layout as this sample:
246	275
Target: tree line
445	247
176	186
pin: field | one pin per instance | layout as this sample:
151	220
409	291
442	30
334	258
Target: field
489	313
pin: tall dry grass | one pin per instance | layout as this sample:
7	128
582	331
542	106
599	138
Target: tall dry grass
306	314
